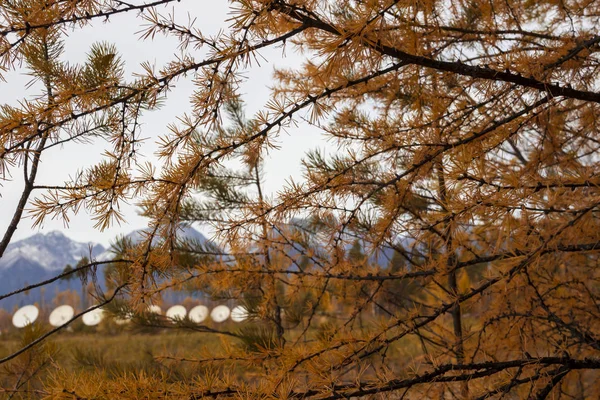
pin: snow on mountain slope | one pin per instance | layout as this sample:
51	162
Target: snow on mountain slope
52	251
43	256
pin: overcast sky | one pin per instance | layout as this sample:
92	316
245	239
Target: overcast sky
60	162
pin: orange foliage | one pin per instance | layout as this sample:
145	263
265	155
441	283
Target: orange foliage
447	249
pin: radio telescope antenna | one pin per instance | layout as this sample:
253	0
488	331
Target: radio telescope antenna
176	312
154	309
93	317
219	313
61	315
198	314
25	316
239	314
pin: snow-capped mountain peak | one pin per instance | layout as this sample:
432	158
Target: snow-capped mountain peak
44	256
52	251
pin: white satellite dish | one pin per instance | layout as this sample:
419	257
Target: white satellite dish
219	313
94	317
176	312
154	309
25	316
61	315
198	314
239	314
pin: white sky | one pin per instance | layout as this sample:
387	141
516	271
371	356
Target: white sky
59	162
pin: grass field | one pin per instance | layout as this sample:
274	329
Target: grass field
131	350
113	353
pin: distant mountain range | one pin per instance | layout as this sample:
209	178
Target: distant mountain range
51	252
43	256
